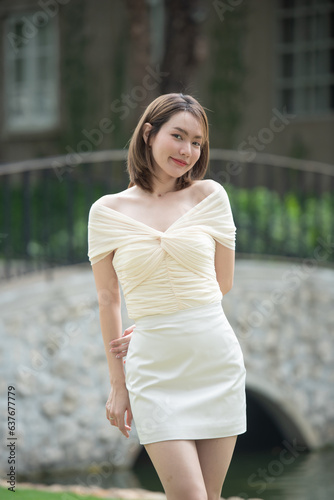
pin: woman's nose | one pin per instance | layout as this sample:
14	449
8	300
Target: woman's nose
185	149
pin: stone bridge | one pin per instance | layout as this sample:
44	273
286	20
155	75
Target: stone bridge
52	352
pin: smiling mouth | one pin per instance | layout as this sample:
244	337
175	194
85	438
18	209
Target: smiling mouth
179	162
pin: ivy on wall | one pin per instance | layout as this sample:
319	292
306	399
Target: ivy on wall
227	73
74	82
119	76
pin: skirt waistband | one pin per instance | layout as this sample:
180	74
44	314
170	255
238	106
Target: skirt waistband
180	315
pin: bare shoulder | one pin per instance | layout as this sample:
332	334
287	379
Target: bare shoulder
207	186
114	200
108	200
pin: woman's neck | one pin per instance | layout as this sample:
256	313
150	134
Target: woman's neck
162	188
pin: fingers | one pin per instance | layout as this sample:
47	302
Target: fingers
124	428
127	425
129	329
113	421
118	420
121	354
119	350
129	417
111	418
121	341
126	337
120	346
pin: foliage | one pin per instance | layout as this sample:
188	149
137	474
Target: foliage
288	225
75	77
267	223
227	73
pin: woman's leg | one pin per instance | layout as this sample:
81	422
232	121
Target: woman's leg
215	456
178	467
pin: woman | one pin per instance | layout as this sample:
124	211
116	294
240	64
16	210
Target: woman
169	239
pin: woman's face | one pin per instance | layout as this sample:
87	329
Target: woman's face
177	146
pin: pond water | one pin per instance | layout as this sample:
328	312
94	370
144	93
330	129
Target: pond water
275	475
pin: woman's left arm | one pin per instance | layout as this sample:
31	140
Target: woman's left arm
224	265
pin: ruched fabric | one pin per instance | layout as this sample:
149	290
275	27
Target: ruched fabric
164	272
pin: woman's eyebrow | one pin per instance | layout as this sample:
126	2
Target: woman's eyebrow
186	133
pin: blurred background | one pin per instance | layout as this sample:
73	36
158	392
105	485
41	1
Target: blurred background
75	76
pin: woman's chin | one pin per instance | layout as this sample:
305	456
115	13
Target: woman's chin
173	174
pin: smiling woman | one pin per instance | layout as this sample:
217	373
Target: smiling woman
169	241
181	120
168	148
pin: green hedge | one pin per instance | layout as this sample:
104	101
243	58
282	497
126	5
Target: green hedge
288	225
267	223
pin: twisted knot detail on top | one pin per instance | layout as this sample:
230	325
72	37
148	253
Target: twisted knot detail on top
163	272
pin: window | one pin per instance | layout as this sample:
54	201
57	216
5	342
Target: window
31	73
305	56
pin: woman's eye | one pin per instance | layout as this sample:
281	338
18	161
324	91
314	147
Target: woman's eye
197	144
177	136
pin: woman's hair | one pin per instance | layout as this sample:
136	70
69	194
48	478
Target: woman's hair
140	161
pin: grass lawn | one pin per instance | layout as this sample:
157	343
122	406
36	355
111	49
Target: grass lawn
41	495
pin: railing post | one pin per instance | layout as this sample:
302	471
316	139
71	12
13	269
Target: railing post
70	224
46	226
7	235
26	216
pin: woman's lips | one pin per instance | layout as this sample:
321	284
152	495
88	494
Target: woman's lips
179	162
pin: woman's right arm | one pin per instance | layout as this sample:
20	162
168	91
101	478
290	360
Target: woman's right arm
109	300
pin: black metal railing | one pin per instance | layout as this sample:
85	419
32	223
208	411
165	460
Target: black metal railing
282	207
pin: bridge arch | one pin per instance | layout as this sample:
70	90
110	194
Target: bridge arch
291	423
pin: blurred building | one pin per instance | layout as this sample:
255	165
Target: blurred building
289	54
76	74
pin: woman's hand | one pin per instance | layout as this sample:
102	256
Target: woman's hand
120	346
117	405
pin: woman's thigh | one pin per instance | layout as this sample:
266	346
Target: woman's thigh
214	457
178	467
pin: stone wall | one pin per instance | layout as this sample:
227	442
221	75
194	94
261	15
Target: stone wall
283	315
52	352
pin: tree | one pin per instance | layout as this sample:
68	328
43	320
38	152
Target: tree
182	41
181	54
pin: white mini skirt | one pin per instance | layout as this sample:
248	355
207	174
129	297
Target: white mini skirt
185	375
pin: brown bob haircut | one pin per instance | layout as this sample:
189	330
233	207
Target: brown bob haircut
140	162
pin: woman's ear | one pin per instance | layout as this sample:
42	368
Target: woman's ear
146	130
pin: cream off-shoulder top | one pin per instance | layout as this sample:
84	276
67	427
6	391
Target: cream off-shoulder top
163	272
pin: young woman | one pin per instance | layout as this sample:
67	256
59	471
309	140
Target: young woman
169	239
